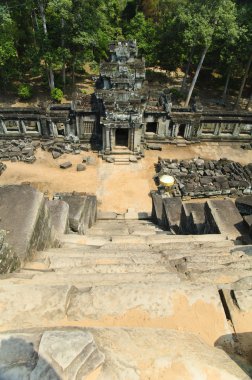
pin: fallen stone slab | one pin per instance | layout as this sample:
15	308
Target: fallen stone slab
66	165
56	154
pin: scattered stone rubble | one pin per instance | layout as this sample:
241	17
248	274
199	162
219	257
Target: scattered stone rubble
2	168
18	150
59	148
199	178
247	146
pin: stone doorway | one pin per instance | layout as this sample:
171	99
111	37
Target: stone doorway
122	137
181	130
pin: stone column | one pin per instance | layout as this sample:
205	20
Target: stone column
237	130
217	129
137	139
167	128
199	130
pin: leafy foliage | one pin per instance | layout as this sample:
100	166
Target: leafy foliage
57	37
25	91
57	94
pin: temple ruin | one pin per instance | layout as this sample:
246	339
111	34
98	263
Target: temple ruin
124	114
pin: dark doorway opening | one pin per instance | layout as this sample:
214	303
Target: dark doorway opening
181	131
122	137
151	127
61	129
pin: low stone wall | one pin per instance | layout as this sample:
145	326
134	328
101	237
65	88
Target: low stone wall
211	217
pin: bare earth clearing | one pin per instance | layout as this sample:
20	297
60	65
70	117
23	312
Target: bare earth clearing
117	187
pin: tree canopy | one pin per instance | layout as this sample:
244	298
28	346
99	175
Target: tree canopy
54	39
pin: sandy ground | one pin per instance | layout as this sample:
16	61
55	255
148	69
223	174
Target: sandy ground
117	187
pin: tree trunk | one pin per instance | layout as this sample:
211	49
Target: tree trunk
64	76
43	18
249	102
196	76
224	95
51	78
73	73
183	86
243	81
64	63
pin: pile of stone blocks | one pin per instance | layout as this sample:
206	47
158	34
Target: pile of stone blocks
59	148
198	178
18	150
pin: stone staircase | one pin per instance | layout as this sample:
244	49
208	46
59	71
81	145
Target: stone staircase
143	294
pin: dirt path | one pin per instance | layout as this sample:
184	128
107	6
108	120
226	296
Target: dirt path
117	187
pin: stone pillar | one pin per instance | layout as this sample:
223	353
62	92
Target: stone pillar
199	130
217	129
176	131
106	140
167	128
137	139
237	130
67	131
161	128
112	138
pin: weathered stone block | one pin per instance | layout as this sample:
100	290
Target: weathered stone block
66	165
25	217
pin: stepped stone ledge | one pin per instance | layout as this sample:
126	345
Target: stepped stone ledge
122	298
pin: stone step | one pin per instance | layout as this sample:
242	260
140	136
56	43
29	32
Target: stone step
69	239
185	266
115	353
214	258
126	305
64	265
191	246
166	238
121	163
93	259
100	279
107	232
218	276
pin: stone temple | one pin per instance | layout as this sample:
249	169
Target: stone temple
125	114
87	294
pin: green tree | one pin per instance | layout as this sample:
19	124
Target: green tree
143	30
202	22
8	51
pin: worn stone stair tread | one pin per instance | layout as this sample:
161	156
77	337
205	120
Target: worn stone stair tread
117	354
93	259
25	306
57	261
77	267
93	279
